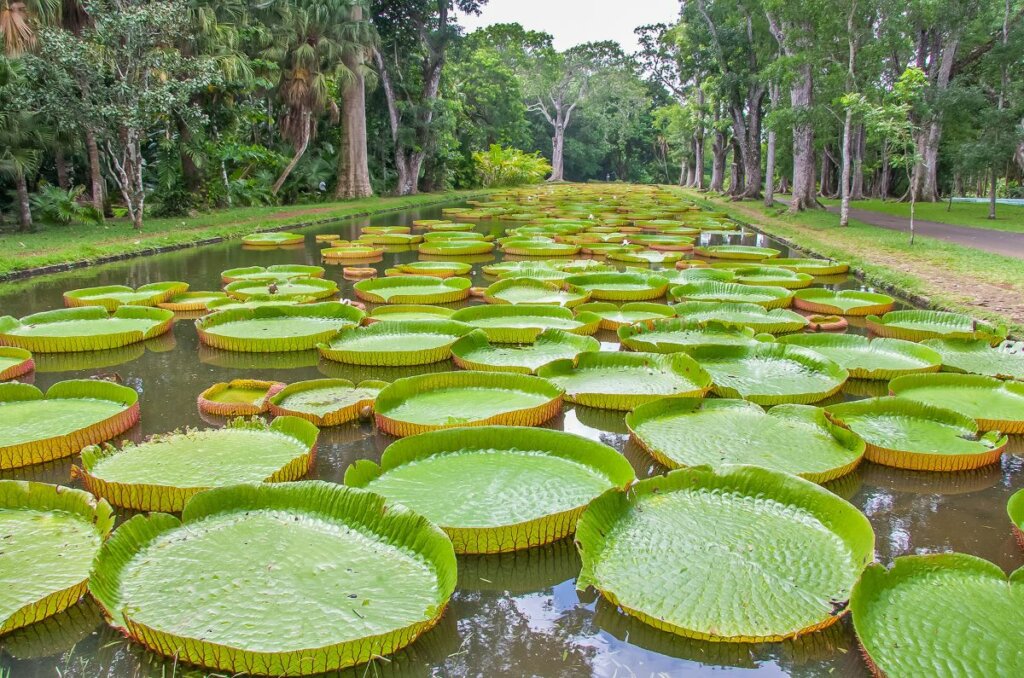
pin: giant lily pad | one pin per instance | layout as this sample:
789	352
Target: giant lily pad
409	342
390	239
527	247
256	301
455	247
475	352
995	404
674	335
437	269
620	286
276	328
817	267
797	439
351	251
917	325
35	428
402	312
320	577
314	288
869	359
14	362
976	356
842	302
89	328
737	252
664	242
275	272
613	317
273	239
449	399
771	374
517	487
326	402
708	554
50	536
191	301
112	296
908	434
941	614
644	256
758	318
773	275
1015	510
164	472
766	296
621	381
529	291
522	323
238	397
700	274
413	289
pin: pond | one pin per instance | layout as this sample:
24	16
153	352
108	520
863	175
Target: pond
515	614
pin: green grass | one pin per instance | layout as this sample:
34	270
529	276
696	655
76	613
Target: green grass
975	215
70	243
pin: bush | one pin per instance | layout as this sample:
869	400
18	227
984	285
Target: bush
510	167
54	205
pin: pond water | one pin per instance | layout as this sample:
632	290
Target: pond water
517	614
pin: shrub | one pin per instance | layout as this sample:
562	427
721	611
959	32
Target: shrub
55	205
510	167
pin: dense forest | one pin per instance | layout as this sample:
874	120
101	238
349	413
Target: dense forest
138	107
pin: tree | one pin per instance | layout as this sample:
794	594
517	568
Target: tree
22	137
356	36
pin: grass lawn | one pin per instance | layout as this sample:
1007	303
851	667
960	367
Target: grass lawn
59	244
948	275
974	214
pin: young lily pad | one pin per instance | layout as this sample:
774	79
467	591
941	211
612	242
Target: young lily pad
758	318
164	472
817	267
797	439
908	434
675	335
274	239
707	553
455	247
664	242
518	488
529	291
35	428
413	289
15	362
598	249
771	374
622	381
89	328
313	288
50	536
773	275
238	397
351	251
975	356
620	286
112	296
917	325
526	247
522	323
437	269
403	312
389	239
435	236
766	296
326	402
377	230
320	577
191	301
882	359
275	272
449	399
644	256
995	404
475	352
700	274
737	252
408	342
940	614
842	302
276	328
613	317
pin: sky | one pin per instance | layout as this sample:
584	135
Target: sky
572	22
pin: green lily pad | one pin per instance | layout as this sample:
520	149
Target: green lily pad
408	342
475	352
191	301
622	381
450	399
274	239
645	256
917	325
708	554
842	302
976	356
701	274
89	328
758	318
797	439
447	227
390	239
455	247
164	472
606	248
737	252
238	397
773	275
112	296
817	267
539	270
378	230
733	293
525	247
437	236
771	374
276	328
528	291
909	434
620	286
675	335
326	402
520	324
413	289
403	312
14	362
256	301
313	288
882	359
35	428
613	317
320	577
1015	509
995	404
356	251
50	536
941	614
275	272
517	487
665	242
437	269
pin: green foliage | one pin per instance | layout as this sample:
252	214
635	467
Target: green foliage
509	167
58	206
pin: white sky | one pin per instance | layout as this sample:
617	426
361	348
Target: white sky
572	22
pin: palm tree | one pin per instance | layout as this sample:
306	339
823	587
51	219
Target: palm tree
19	20
357	38
22	137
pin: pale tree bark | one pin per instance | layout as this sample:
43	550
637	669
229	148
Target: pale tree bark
857	183
24	206
698	159
558	153
1003	82
719	149
125	160
95	172
769	170
300	150
353	161
851	83
943	55
736	177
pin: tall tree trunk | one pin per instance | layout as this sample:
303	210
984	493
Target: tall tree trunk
747	137
353	163
683	172
844	205
698	159
95	173
190	172
300	150
857	183
719	147
992	194
769	170
801	98
886	178
61	162
927	169
737	177
24	206
558	153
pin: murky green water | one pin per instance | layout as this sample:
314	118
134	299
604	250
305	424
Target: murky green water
516	614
